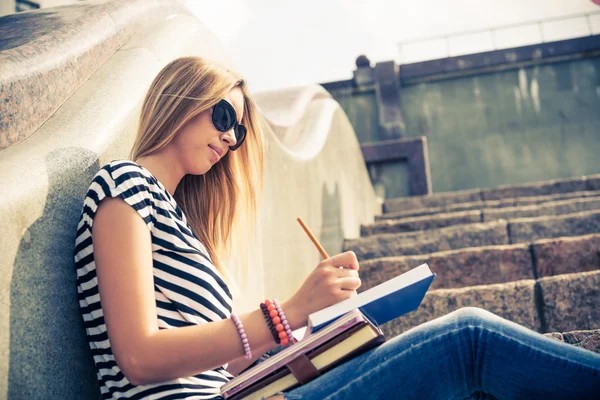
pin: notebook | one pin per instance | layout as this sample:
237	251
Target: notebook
300	363
334	335
382	303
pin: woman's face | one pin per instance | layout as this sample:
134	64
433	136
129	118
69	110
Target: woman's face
200	145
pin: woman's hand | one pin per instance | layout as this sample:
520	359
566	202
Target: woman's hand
335	279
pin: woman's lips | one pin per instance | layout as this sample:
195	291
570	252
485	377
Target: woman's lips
215	153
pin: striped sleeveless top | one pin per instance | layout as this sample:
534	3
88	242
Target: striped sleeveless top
188	289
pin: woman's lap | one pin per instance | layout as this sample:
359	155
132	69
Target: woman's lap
470	353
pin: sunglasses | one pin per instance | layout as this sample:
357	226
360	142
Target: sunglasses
224	118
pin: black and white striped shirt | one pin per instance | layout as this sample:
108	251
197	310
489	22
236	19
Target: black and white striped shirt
188	289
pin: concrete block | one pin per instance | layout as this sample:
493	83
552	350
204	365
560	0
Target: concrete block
567	255
571	301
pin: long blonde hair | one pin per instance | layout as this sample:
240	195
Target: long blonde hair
225	198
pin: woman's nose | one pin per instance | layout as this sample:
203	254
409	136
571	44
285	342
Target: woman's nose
229	137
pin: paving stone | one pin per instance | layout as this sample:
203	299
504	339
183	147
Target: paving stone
421	223
571	301
567	255
514	301
424	242
456	268
532	229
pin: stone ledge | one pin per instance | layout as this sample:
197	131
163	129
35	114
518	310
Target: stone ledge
536	189
531	229
40	71
456	268
553	208
514	301
444	199
479	205
435	200
421	223
567	255
423	242
571	301
401	224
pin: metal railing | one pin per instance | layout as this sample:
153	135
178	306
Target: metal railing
499	37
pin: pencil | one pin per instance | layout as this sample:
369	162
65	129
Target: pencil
313	238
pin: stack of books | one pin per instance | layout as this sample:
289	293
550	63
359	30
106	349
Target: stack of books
334	335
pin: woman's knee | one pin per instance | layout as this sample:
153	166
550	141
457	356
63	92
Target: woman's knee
472	316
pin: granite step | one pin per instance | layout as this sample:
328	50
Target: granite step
589	340
481	204
393	224
492	264
559	303
492	233
580	184
430	241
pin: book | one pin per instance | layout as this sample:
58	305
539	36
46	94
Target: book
382	303
334	335
342	340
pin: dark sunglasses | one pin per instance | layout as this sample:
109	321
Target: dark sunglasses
224	118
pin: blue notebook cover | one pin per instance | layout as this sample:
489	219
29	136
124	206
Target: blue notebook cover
382	303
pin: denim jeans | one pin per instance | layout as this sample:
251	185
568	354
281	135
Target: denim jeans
468	354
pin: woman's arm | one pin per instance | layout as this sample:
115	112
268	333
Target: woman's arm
145	354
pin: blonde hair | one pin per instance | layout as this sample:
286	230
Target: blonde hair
223	201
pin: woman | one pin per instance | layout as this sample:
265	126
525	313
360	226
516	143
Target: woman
158	225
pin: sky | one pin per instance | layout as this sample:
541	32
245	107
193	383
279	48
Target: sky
285	43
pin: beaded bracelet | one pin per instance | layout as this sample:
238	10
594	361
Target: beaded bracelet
276	318
242	332
284	321
270	322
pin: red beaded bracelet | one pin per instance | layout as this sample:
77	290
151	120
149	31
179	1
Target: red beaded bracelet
278	323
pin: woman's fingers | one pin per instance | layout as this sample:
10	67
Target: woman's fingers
346	260
349	283
344	273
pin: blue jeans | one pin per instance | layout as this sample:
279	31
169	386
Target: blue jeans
468	354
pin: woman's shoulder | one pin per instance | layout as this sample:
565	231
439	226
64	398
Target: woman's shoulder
126	180
123	174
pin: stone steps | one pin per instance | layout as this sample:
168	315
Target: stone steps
492	264
529	253
408	224
481	204
500	232
559	303
582	184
